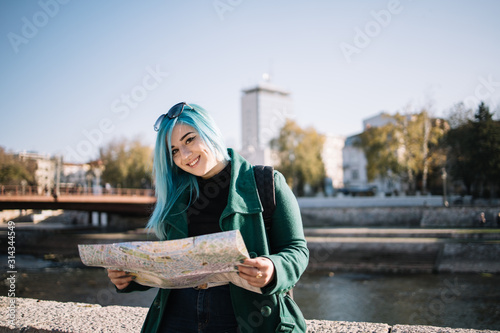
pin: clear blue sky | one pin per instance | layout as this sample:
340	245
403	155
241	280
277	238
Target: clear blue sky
67	69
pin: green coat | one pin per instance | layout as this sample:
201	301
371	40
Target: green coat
273	311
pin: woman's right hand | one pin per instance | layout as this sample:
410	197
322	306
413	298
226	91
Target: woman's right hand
120	279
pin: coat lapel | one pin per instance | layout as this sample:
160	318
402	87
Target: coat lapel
243	196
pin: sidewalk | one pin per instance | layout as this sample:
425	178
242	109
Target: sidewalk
48	316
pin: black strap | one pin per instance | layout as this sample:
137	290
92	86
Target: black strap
264	177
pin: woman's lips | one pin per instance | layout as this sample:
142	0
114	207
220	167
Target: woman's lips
194	162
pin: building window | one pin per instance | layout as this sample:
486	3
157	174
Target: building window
355	174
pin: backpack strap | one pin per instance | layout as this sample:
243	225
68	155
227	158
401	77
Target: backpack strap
264	177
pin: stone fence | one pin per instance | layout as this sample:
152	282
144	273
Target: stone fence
413	216
36	316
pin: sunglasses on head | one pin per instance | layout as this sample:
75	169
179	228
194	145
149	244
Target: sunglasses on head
174	112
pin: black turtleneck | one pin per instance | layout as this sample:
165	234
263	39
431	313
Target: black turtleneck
204	214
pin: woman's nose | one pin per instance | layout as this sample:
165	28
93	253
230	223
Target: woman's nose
185	152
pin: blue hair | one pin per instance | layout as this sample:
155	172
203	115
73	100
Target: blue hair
171	181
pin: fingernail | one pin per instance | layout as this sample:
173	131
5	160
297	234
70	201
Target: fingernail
242	260
236	267
134	277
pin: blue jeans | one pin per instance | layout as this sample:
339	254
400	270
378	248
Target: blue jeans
199	311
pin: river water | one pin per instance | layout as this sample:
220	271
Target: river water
447	300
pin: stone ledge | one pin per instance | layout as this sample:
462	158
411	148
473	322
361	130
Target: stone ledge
37	316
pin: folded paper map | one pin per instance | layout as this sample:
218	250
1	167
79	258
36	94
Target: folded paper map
182	263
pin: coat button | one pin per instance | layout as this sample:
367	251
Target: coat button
265	311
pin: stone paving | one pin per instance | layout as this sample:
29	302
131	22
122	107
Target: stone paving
38	316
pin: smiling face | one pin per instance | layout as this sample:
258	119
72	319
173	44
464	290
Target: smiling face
191	154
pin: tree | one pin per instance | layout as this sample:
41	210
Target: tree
460	144
127	164
459	115
380	148
407	145
486	152
13	171
299	153
474	152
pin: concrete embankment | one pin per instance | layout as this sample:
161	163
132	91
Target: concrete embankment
412	250
402	234
404	250
317	216
347	234
31	315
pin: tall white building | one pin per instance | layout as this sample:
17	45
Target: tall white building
354	164
333	160
264	109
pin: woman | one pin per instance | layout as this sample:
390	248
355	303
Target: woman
202	188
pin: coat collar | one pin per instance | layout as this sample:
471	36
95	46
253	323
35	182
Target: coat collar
243	196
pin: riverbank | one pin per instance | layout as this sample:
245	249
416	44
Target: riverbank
445	300
32	315
315	215
404	250
374	249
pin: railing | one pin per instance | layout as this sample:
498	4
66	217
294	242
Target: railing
19	190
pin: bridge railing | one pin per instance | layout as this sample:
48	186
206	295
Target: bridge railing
19	190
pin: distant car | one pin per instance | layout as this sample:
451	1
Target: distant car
368	191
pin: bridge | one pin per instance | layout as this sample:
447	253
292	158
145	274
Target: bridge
137	202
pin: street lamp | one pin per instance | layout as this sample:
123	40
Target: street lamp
443	176
24	182
89	183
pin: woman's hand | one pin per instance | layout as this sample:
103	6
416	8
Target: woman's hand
120	279
259	272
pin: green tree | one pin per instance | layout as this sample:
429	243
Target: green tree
127	164
380	147
407	145
460	145
474	152
486	152
13	171
300	157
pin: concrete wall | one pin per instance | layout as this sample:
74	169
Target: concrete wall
415	216
36	316
413	255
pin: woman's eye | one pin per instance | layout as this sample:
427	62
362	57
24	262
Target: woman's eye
174	151
190	139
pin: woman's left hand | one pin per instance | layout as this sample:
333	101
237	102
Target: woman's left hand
258	271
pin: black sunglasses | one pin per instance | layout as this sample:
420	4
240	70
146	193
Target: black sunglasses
174	112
